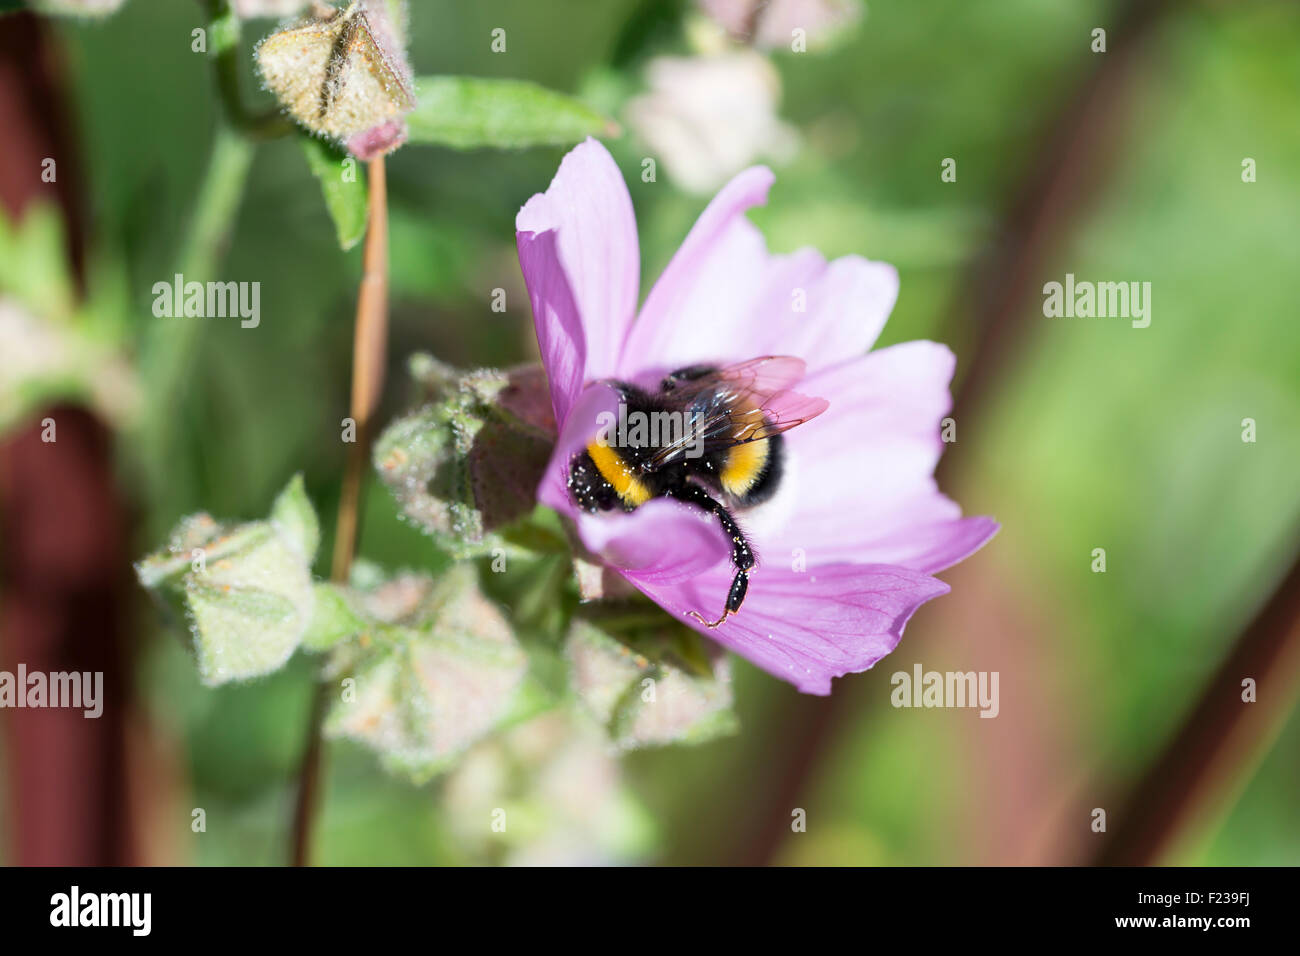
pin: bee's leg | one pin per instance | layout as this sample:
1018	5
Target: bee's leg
739	585
742	555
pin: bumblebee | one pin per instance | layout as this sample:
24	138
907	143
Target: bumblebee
710	437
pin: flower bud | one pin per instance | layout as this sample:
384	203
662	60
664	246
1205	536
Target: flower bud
344	75
468	463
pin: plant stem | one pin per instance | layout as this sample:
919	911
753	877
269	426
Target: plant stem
224	27
1211	755
304	808
1072	165
169	344
369	346
218	201
370	341
755	14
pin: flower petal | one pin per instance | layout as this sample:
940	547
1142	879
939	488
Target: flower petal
560	337
583	282
580	425
931	547
661	543
724	298
831	313
698	308
859	485
808	627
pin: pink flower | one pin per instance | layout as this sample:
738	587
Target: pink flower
848	545
771	23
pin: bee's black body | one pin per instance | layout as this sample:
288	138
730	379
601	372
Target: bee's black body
724	475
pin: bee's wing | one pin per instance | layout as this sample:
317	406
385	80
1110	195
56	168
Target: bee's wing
779	413
764	376
740	403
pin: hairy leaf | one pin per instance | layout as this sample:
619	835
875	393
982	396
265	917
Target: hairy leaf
667	689
343	184
436	667
245	589
467	113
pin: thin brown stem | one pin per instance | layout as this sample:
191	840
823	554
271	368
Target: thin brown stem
1074	161
755	13
369	345
1069	167
1224	734
304	807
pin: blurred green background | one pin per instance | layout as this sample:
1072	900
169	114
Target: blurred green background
1094	435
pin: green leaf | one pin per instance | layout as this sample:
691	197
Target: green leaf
57	350
436	668
333	619
646	698
33	262
245	589
296	519
343	184
241	630
248	604
561	793
468	113
75	8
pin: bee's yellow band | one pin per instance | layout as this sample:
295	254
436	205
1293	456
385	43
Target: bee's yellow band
614	470
744	465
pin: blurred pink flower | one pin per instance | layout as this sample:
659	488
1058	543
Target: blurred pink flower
773	22
250	9
708	117
858	527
